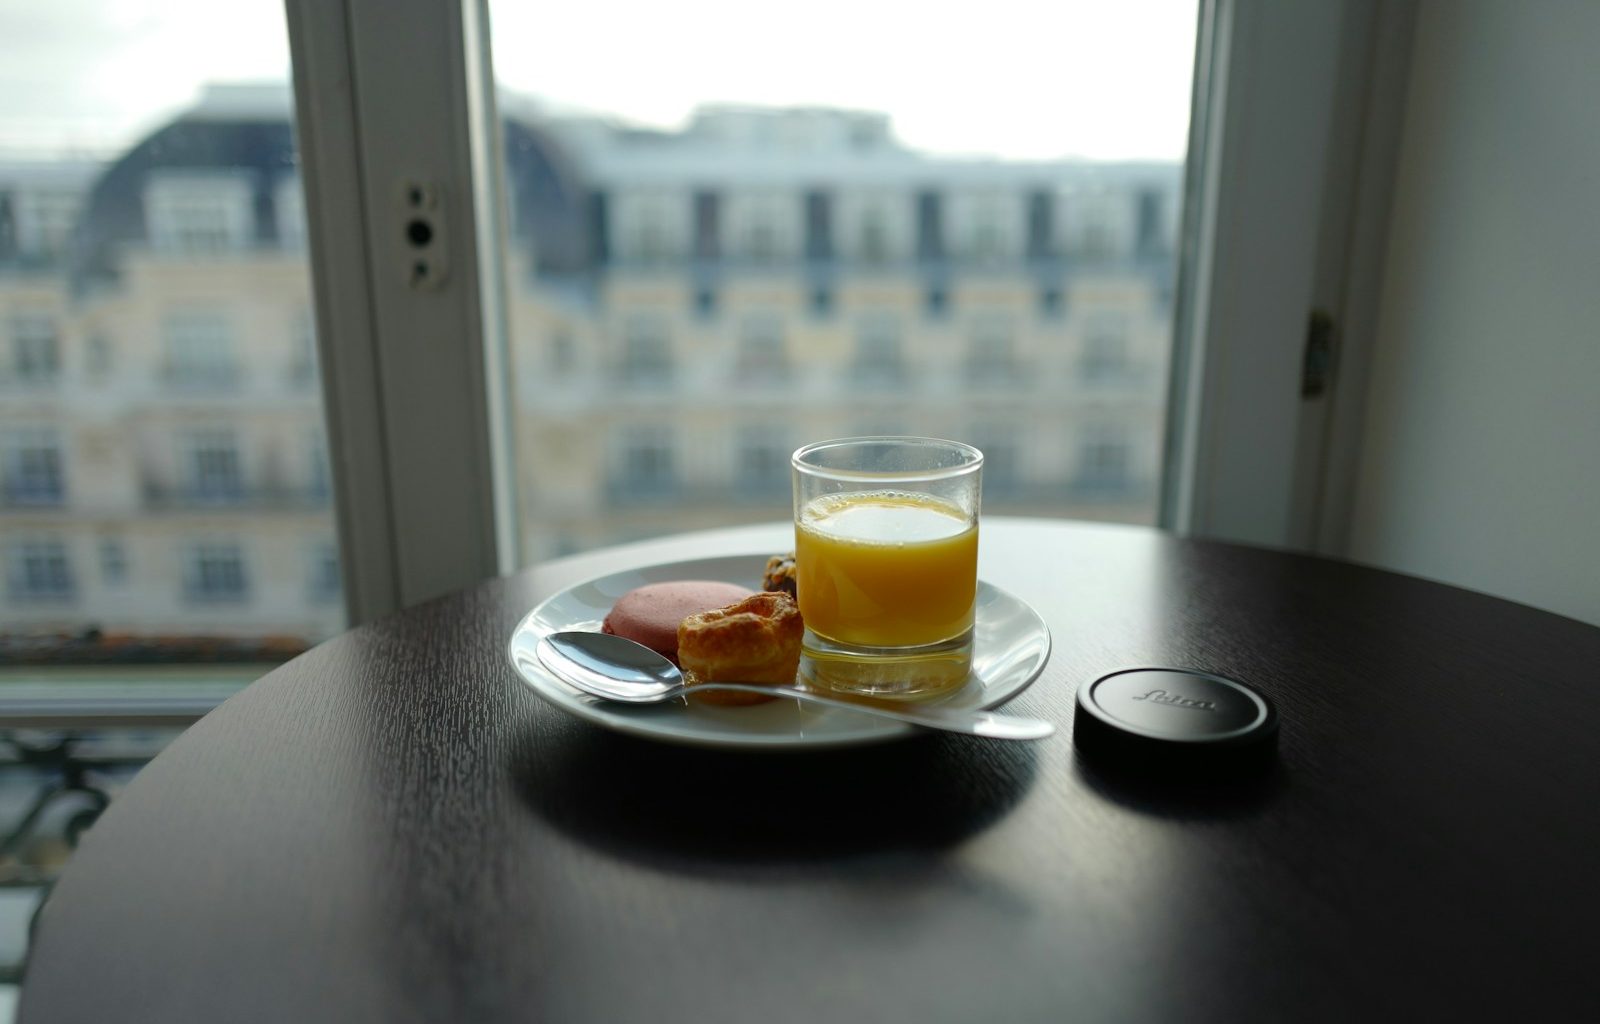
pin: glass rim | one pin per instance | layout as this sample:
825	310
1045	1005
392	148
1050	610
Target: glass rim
972	465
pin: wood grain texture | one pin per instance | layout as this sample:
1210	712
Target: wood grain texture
393	828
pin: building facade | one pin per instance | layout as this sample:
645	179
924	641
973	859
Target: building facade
685	309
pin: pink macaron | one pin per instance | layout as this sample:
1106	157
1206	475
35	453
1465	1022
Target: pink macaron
650	614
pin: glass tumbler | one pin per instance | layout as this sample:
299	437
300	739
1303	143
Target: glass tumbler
886	563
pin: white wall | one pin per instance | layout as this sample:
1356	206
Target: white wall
1481	444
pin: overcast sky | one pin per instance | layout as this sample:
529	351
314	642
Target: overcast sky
1008	78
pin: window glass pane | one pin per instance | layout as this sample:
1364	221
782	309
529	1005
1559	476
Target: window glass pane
724	248
165	477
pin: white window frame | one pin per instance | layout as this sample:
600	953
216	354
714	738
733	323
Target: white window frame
1290	141
390	95
391	91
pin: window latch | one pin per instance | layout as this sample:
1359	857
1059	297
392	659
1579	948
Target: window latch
425	240
1316	370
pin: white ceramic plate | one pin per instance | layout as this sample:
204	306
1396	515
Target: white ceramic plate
1010	646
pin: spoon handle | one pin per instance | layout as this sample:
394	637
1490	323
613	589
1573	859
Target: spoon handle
962	720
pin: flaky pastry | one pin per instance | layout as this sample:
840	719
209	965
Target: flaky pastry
756	640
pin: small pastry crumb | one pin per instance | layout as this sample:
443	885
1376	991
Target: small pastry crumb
779	576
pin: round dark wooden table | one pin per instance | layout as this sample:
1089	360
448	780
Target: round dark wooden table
392	827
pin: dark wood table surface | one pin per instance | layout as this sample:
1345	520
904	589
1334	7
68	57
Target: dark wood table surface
392	827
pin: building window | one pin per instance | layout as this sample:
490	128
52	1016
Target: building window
760	236
196	213
646	352
39	570
991	352
646	229
200	350
1052	302
97	355
215	572
1103	225
761	349
563	352
213	467
1149	229
113	561
762	461
1097	240
44	220
765	225
1002	459
874	245
1041	226
1105	349
1103	460
599	222
987	238
646	468
879	359
35	348
707	226
930	226
819	226
33	471
323	576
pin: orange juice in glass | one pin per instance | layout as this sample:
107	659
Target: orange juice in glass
886	563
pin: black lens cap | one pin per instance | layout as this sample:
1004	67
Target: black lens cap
1162	718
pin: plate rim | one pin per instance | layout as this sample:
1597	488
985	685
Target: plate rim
873	731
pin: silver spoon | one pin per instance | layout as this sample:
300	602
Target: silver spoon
616	668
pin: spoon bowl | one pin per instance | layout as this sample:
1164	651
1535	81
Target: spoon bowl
616	668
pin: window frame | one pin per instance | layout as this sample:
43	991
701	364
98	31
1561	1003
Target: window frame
388	99
397	90
1287	142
